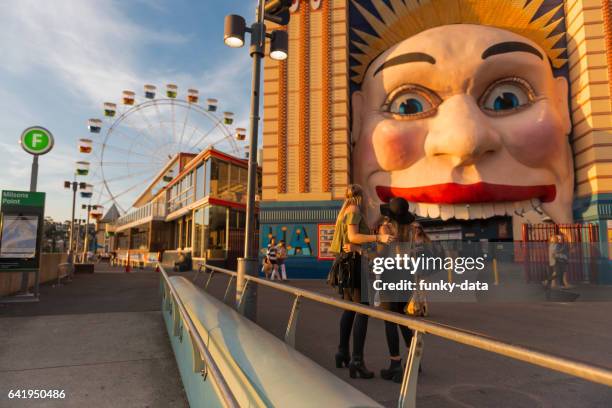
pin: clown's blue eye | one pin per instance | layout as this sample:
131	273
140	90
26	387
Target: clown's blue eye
410	102
507	95
506	100
410	106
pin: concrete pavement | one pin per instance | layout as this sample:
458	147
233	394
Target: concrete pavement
100	339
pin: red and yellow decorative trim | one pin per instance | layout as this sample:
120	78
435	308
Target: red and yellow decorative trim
304	104
607	22
326	131
282	128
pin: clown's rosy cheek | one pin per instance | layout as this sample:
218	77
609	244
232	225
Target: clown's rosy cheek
397	145
535	138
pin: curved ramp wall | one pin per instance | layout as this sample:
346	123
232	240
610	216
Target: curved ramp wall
261	370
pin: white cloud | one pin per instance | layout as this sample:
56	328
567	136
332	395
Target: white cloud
88	45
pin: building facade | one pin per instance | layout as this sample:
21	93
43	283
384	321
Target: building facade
196	204
306	135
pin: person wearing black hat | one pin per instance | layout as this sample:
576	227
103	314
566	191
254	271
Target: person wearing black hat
397	221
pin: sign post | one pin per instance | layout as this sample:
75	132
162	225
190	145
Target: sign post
21	227
36	140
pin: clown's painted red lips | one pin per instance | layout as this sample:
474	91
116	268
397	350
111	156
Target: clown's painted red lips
453	193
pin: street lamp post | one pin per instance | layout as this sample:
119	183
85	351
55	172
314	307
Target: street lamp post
78	234
87	207
74	185
235	29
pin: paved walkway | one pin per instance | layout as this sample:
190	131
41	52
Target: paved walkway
100	338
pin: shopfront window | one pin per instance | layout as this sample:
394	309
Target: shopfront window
237	219
122	241
182	193
140	238
208	173
198	231
199	183
215	218
177	230
238	184
186	233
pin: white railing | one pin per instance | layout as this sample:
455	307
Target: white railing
407	397
153	210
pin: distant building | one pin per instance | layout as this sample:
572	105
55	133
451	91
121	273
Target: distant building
200	210
104	230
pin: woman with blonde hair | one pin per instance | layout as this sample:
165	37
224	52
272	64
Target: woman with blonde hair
350	233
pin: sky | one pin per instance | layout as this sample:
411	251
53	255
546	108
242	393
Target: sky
62	59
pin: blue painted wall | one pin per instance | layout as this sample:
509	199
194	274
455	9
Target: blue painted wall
297	223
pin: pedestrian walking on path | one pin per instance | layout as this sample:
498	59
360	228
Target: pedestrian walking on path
281	255
271	256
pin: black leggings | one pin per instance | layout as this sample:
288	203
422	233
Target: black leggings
355	322
391	329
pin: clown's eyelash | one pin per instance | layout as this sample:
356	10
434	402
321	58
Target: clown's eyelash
531	95
431	96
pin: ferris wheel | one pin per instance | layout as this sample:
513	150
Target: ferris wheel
136	139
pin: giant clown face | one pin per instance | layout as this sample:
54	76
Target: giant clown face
464	121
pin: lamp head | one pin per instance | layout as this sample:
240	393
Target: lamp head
279	45
234	30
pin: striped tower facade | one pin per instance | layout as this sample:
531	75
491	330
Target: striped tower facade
306	132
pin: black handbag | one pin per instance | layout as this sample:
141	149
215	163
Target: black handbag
340	275
332	276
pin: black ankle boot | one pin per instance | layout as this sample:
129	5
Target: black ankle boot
342	359
398	377
394	368
357	369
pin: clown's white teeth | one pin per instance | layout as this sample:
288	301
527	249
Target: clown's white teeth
447	211
499	208
487	210
421	209
461	211
412	207
433	210
475	211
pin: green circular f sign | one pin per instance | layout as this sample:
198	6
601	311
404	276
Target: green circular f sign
36	140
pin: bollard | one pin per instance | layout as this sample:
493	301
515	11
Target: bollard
495	272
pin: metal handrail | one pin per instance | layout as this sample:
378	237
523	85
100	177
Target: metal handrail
218	381
577	369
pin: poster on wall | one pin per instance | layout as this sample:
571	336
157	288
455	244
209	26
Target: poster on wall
326	235
19	234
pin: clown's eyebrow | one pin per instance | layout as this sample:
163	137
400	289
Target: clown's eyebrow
405	58
511	46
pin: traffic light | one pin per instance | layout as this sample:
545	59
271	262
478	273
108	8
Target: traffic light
277	11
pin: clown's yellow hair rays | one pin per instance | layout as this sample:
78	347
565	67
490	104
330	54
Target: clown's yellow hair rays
406	18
